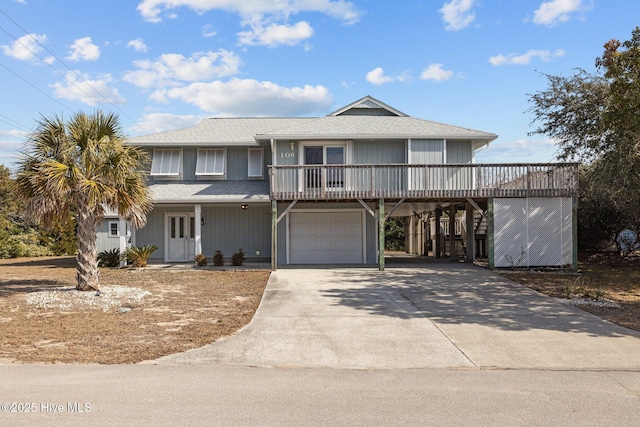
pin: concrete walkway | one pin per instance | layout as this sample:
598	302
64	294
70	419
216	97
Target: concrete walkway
445	315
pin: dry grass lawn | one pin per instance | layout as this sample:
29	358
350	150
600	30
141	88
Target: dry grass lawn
182	310
174	311
600	277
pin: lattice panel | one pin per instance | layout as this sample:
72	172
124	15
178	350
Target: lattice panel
532	232
510	232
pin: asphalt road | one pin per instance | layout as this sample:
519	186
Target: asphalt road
161	395
454	346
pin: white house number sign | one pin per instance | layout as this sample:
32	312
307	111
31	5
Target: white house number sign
288	154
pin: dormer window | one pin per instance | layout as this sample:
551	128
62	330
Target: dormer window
166	162
211	162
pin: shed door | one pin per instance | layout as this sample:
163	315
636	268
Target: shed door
326	238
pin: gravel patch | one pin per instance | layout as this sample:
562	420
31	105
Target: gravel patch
577	302
109	298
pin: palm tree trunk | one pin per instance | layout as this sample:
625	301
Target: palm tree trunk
87	260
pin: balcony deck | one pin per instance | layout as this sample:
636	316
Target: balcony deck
437	181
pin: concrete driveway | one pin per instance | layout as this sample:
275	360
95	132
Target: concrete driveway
416	316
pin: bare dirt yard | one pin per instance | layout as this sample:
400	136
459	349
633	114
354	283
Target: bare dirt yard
140	314
605	285
145	314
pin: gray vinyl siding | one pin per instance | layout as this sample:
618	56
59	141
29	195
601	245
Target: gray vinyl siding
371	237
153	232
379	152
103	241
426	151
237	163
229	228
189	158
459	152
368	112
284	154
226	228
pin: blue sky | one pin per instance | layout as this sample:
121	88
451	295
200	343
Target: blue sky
165	64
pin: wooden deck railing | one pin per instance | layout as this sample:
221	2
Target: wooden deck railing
372	181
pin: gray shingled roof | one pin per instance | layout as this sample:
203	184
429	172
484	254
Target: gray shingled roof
209	191
219	131
354	127
246	131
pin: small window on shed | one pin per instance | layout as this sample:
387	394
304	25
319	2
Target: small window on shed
114	229
255	163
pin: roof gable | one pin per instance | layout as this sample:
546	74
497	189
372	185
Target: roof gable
368	106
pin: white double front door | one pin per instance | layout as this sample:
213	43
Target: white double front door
180	237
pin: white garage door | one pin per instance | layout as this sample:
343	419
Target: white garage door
325	238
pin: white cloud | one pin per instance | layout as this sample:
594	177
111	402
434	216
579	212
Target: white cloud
274	34
138	45
340	9
558	11
172	68
267	19
377	77
523	150
247	97
84	50
80	87
25	47
162	122
20	134
513	59
208	31
436	72
457	14
9	149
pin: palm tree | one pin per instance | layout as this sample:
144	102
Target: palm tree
83	163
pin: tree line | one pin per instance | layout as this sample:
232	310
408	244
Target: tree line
594	118
23	237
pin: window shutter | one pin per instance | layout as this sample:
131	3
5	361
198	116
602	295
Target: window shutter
210	162
255	162
218	162
166	162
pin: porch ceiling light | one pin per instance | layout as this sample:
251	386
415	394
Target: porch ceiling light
244	207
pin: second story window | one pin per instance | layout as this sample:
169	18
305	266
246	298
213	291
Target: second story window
255	163
166	162
211	162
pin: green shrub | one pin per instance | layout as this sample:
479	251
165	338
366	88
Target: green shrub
110	258
238	257
23	245
218	260
200	260
139	255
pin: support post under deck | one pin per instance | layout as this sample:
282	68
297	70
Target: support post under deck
274	235
437	250
471	234
452	232
381	222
